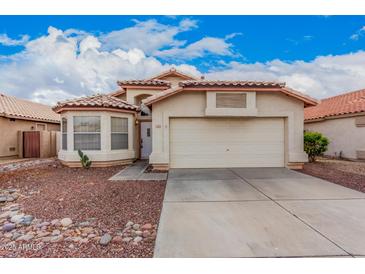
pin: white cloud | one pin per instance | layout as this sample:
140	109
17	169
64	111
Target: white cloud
148	36
7	41
356	36
62	64
322	77
203	47
68	63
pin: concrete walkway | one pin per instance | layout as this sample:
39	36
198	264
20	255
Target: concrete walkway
258	212
136	172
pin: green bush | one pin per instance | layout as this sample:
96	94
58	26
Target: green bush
315	144
85	161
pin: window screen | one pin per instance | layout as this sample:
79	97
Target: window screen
87	132
64	133
119	133
231	100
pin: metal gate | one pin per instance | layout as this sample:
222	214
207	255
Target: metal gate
31	144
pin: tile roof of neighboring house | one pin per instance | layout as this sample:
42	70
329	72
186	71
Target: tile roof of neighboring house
95	101
217	83
270	86
348	103
174	72
155	83
13	107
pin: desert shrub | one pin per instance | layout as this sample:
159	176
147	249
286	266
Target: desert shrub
84	159
315	144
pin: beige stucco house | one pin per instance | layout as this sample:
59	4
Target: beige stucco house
18	116
342	119
179	121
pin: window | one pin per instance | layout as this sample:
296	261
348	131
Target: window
119	133
231	100
87	133
360	121
64	133
41	127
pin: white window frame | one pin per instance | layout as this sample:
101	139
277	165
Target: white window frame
119	133
87	133
64	133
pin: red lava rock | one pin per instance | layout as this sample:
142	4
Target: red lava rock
82	194
341	172
117	239
146	226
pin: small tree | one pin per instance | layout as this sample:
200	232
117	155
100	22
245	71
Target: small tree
315	144
85	161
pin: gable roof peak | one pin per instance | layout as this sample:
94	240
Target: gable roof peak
173	72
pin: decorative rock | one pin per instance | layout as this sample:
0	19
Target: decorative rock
3	199
27	220
117	239
137	239
25	238
8	227
41	234
13	213
146	234
8	235
129	224
5	214
105	239
136	226
84	224
47	239
138	233
43	224
76	239
127	239
55	222
71	246
66	222
57	238
87	230
12	190
16	235
11	198
146	226
91	236
84	241
56	232
17	218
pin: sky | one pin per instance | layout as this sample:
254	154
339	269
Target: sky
52	58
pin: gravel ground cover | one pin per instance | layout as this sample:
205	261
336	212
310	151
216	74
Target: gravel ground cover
55	211
346	173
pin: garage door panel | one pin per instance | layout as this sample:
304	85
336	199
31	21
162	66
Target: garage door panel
204	142
233	148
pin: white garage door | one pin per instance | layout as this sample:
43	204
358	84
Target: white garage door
222	142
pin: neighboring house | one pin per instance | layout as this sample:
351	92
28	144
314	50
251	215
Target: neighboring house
342	119
178	121
18	115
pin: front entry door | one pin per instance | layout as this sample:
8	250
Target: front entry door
146	139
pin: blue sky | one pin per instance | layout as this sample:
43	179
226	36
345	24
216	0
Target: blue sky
58	57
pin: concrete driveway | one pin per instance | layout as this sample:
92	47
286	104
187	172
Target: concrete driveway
258	212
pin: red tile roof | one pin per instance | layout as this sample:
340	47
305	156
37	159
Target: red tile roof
13	107
97	101
269	86
348	103
156	83
174	72
213	83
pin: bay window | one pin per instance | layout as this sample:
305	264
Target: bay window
64	133
87	133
